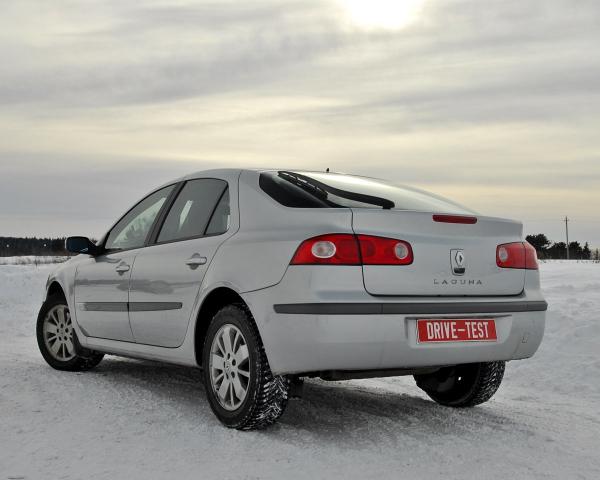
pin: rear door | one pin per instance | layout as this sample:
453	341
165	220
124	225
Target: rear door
450	259
167	274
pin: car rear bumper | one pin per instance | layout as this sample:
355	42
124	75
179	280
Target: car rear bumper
314	343
327	331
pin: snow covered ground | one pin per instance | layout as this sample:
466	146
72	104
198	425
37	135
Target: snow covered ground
132	419
32	260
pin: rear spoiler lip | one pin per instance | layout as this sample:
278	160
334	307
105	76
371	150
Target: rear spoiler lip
410	308
480	218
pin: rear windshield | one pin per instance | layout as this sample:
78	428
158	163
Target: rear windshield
332	190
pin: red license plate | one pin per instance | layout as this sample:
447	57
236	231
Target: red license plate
456	330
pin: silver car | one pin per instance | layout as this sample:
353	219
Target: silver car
264	277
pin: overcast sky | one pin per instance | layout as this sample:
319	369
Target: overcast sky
495	104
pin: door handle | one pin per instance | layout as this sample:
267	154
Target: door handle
122	268
195	261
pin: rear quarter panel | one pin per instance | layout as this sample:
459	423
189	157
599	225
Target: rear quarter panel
258	255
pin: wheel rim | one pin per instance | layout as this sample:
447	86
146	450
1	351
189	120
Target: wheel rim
229	367
58	333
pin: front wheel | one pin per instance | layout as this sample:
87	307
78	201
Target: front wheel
57	339
463	385
241	389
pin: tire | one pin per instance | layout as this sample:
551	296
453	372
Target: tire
54	328
241	364
463	386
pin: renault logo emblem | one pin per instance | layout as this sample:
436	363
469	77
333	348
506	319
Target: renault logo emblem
458	261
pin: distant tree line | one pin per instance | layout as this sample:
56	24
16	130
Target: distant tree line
16	246
558	250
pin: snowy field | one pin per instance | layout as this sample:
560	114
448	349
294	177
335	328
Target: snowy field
32	260
130	419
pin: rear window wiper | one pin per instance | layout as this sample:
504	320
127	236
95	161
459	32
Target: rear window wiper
321	190
314	190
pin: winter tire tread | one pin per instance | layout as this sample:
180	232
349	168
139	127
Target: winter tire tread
485	384
268	400
84	360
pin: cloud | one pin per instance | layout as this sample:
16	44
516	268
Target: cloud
499	93
151	54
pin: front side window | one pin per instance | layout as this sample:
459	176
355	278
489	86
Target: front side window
197	205
133	229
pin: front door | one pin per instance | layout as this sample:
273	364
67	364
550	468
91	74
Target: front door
102	282
101	296
167	276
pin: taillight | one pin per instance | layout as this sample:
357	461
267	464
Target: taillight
332	249
516	255
348	249
384	251
531	260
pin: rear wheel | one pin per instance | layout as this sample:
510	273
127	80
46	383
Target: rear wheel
241	389
463	385
58	341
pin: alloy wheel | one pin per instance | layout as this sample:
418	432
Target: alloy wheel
58	333
229	367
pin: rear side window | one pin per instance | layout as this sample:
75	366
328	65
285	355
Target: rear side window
333	190
193	210
219	223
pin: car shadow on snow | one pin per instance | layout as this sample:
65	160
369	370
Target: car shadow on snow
344	412
349	413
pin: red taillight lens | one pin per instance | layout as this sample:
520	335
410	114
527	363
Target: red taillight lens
332	249
510	255
516	255
348	249
384	251
531	261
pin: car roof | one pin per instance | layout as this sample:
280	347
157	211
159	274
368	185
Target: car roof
217	172
224	171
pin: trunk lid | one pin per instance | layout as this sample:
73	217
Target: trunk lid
436	269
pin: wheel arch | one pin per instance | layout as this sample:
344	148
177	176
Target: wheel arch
55	288
212	303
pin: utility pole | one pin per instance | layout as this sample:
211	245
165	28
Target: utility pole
567	230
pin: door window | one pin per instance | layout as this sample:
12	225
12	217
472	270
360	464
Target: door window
133	229
219	223
191	214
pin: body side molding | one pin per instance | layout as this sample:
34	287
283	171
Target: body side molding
128	306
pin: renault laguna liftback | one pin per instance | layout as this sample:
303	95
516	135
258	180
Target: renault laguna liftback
264	277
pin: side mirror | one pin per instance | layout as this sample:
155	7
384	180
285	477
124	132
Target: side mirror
81	245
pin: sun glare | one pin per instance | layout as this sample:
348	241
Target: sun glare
385	14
